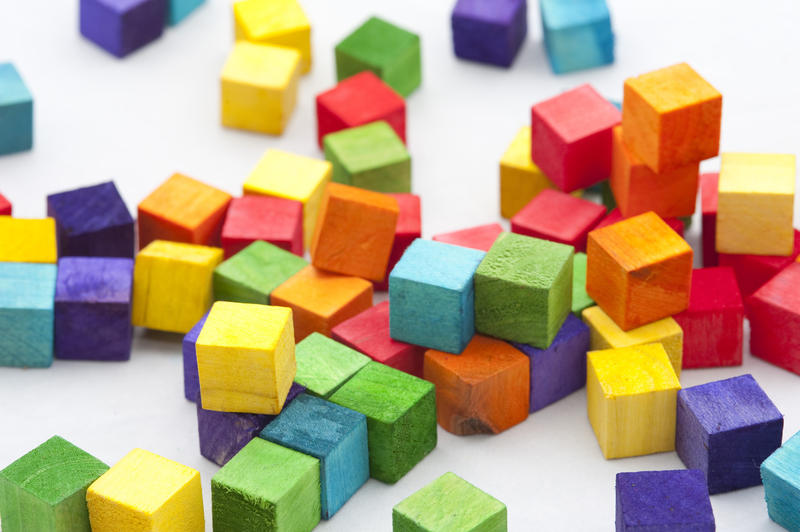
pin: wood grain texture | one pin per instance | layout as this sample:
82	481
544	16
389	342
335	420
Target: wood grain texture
16	104
191	380
781	484
709	186
577	36
279	22
121	28
278	221
409	228
489	32
28	240
752	271
520	179
5	206
580	299
615	215
324	365
480	237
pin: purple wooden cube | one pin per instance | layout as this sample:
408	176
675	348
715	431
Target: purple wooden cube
93	308
560	369
92	222
122	26
726	429
223	434
191	378
664	501
489	31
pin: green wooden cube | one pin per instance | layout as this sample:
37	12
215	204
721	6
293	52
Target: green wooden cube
324	365
580	299
251	275
450	503
45	490
370	156
401	417
266	487
392	53
523	289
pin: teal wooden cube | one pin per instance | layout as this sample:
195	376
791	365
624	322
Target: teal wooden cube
45	490
779	473
16	112
523	289
177	10
371	157
323	364
577	34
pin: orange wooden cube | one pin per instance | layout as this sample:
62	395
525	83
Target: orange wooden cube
354	232
637	189
671	117
485	389
638	270
321	300
183	209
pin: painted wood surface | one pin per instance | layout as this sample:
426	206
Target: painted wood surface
781	484
480	237
122	27
753	271
577	36
278	221
409	228
324	365
278	22
28	240
489	32
709	186
520	179
16	105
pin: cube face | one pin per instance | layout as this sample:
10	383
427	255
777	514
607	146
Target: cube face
753	271
5	206
122	26
580	299
324	365
577	35
16	112
278	22
28	240
781	487
191	381
180	9
709	185
480	237
777	303
249	219
523	290
489	32
409	228
520	179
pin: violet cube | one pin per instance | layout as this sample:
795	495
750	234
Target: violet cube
560	369
92	222
122	26
489	31
191	378
93	308
663	501
726	429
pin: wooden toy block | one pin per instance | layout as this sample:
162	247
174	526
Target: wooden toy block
484	390
450	503
266	487
46	488
520	179
245	358
726	429
577	35
560	369
409	228
637	189
26	314
714	322
286	175
320	300
121	27
16	113
146	492
278	221
625	386
755	204
752	271
487	31
323	365
777	304
191	381
480	237
5	206
335	435
558	217
28	240
433	297
671	117
614	216
392	53
571	137
369	332
277	22
93	308
172	285
709	185
259	87
401	418
523	290
177	10
638	271
661	501
605	334
580	299
781	485
371	156
182	209
252	274
359	100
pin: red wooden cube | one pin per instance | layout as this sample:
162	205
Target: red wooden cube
559	217
278	221
676	224
709	185
479	237
571	137
713	323
5	206
409	228
752	271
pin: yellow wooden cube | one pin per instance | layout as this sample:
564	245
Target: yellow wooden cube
286	175
259	87
172	286
146	492
28	240
278	22
520	179
245	358
631	396
755	205
605	334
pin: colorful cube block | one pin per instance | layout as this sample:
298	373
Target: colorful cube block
614	216
278	221
276	22
480	237
122	26
577	35
488	31
520	179
753	271
28	240
709	186
774	314
16	112
5	206
409	228
781	485
191	381
580	299
177	10
323	365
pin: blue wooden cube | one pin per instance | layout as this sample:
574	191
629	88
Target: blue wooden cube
16	112
577	34
92	222
26	314
489	31
177	10
782	484
336	435
432	295
726	429
191	378
122	26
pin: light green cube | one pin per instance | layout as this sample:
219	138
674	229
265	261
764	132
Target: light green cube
323	364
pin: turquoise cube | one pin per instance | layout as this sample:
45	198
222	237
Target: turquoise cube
779	473
16	112
177	10
577	34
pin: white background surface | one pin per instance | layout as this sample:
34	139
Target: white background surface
156	112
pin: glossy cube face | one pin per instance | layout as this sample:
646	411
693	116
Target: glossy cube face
489	31
16	112
122	26
577	35
276	22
